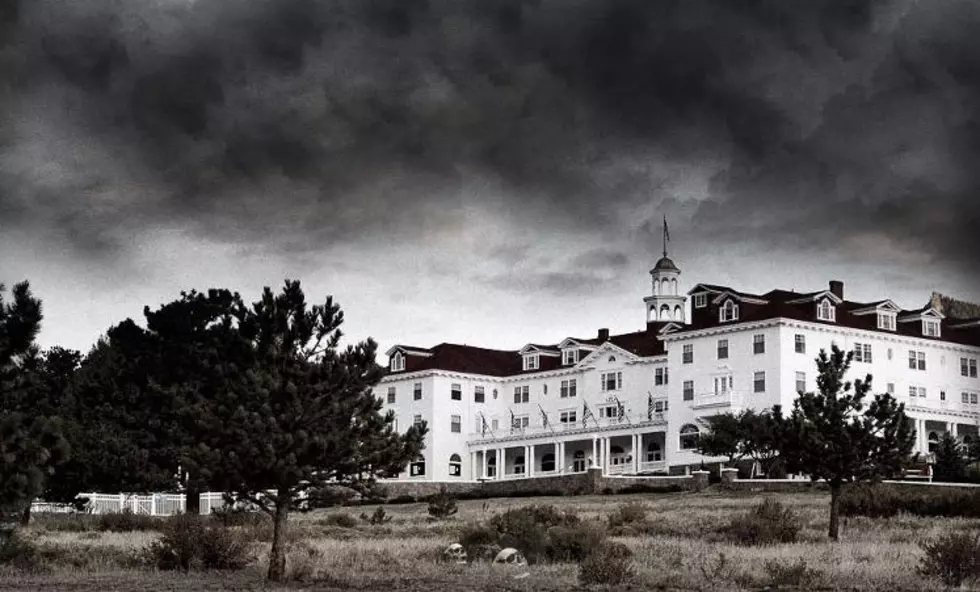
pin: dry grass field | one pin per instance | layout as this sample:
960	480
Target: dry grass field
672	550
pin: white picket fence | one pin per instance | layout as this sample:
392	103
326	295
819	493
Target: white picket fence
155	504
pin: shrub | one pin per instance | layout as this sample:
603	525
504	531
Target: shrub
19	551
574	543
953	558
480	542
540	533
71	522
882	501
188	541
608	564
302	562
628	514
442	505
768	523
331	495
797	574
341	519
230	517
378	518
403	499
128	521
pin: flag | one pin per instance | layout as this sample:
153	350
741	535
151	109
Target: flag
586	413
649	407
620	411
666	232
483	427
544	416
511	420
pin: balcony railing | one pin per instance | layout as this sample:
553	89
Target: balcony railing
654	466
558	428
732	399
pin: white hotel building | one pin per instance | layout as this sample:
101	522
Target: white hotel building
634	403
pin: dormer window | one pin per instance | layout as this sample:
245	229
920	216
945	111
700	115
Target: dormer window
728	312
532	362
397	362
569	357
930	328
886	321
826	311
700	300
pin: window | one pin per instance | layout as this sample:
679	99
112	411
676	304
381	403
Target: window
660	376
391	395
722	349
612	381
569	388
520	422
917	360
397	362
942	395
531	362
758	344
688	354
800	343
922	392
417	468
455	424
491	465
568	417
578	461
654	453
494	424
728	312
689	437
968	367
723	384
479	395
826	311
688	390
933	441
569	357
890	388
417	421
417	393
519	464
862	352
456	392
700	300
759	382
930	328
455	466
660	406
608	412
548	463
522	394
886	321
801	382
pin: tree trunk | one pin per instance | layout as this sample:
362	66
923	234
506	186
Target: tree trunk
834	531
25	518
277	556
192	505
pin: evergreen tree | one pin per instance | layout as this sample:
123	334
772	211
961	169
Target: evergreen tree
951	461
834	435
724	436
283	408
30	444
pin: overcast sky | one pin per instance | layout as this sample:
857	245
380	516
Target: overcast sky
490	172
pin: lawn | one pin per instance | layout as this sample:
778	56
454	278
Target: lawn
673	549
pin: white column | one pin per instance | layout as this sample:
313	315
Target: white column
530	461
560	461
949	428
501	462
636	453
483	465
595	451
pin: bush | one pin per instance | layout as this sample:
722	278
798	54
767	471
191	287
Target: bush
540	533
71	522
379	517
442	505
797	574
768	523
331	495
230	517
883	501
341	519
128	521
608	564
574	543
188	541
18	551
630	513
953	558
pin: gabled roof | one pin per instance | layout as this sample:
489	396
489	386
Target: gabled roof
815	296
707	288
408	350
740	296
604	349
874	307
544	349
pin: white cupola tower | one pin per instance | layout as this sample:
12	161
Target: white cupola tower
666	302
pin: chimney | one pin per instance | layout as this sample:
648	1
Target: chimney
603	335
837	288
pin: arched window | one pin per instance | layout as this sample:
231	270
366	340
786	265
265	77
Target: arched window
664	284
548	462
933	441
656	287
397	362
825	310
673	287
678	313
519	464
665	312
689	437
492	466
417	467
455	466
728	312
654	454
578	461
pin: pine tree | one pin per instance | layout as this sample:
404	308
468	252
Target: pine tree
285	410
951	461
724	436
833	435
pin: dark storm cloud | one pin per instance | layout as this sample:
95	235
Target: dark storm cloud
309	119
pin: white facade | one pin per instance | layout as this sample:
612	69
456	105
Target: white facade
645	406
